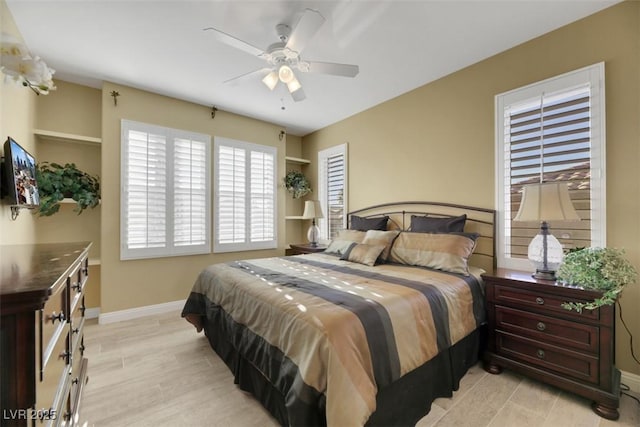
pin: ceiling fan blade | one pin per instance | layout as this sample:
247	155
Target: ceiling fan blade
244	76
306	28
234	42
298	95
343	70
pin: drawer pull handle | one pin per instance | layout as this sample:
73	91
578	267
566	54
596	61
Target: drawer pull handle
53	317
75	330
74	381
82	348
85	271
539	301
76	287
64	355
540	354
82	310
541	326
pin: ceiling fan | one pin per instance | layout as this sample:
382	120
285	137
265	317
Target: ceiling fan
283	56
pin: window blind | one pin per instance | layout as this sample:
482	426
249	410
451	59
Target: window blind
549	141
165	202
332	179
245	196
552	131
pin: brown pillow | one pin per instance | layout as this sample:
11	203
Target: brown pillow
429	224
351	235
365	224
442	251
338	247
362	254
383	238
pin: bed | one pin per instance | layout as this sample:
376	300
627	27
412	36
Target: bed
369	333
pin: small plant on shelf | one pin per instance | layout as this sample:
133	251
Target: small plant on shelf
600	269
297	184
56	182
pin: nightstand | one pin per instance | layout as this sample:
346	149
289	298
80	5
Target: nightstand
530	333
304	248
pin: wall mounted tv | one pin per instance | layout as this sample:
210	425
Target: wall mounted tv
20	176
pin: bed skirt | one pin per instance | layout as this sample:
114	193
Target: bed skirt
402	403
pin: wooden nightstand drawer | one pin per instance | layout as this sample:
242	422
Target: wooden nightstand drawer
577	365
539	301
549	329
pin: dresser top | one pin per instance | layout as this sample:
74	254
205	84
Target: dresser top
29	271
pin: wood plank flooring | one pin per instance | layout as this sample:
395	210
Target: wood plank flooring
157	371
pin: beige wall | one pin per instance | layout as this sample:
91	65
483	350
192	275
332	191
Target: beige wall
17	112
137	283
437	142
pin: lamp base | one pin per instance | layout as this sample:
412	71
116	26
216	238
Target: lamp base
544	275
312	234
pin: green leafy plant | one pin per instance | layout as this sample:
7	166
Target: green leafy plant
56	182
297	184
601	269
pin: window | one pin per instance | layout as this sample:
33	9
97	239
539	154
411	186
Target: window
165	199
245	196
552	131
332	190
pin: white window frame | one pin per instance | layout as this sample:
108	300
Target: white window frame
594	75
171	249
323	156
246	245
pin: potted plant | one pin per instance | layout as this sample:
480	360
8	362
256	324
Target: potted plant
297	184
56	182
601	269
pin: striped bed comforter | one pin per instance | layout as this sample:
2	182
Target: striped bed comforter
339	330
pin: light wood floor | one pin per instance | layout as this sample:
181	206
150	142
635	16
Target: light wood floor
157	371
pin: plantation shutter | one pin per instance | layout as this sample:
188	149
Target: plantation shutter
332	178
165	201
552	131
146	191
190	193
245	196
549	140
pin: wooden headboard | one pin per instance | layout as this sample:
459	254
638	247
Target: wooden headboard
479	220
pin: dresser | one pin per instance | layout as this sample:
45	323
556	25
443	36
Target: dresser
43	369
531	333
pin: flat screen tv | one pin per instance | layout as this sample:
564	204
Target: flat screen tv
20	175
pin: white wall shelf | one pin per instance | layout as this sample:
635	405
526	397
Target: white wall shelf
297	160
94	261
66	137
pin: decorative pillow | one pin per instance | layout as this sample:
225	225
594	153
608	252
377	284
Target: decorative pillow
362	253
429	224
338	247
382	238
351	235
365	224
447	252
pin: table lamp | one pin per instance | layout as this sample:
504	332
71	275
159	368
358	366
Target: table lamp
312	211
549	201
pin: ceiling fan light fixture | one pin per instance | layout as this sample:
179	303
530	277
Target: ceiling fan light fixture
293	85
285	73
271	80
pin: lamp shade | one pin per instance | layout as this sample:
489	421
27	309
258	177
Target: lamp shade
312	210
271	80
549	201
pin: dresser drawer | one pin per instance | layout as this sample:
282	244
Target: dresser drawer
539	301
565	333
51	325
53	376
569	363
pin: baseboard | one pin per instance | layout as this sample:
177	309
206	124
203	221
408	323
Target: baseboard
135	313
631	380
92	313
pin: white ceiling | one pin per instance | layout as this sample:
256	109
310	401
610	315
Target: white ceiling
160	46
